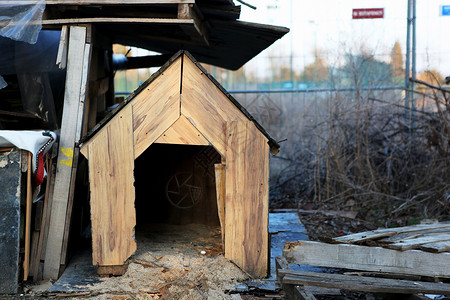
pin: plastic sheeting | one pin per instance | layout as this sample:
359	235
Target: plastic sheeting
21	22
41	82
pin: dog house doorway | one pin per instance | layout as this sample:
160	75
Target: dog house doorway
176	202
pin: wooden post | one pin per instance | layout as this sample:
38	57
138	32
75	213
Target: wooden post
77	56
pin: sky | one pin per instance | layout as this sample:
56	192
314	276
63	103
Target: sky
328	26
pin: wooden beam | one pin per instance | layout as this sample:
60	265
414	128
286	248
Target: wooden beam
200	29
187	22
73	103
365	284
368	258
246	204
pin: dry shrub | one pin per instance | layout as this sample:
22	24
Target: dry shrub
362	150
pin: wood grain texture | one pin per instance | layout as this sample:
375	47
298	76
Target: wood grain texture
219	170
156	107
414	243
182	132
368	258
379	233
205	104
246	204
366	284
436	247
111	165
69	125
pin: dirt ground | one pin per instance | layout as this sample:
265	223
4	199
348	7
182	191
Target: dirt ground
172	262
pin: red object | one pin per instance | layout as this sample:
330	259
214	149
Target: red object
368	13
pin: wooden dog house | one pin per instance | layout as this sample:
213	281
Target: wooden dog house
181	104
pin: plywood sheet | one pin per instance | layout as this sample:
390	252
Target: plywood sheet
246	204
111	165
182	132
156	107
206	106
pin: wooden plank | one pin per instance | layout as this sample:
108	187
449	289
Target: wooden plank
414	234
206	106
292	292
44	219
184	133
111	167
183	22
416	242
63	177
368	258
246	204
436	247
302	294
61	57
365	284
374	234
156	107
26	260
220	176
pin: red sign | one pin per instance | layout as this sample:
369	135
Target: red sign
368	13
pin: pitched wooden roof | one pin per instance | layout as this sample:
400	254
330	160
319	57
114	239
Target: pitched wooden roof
182	87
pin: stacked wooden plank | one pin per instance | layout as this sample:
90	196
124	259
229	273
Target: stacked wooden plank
419	253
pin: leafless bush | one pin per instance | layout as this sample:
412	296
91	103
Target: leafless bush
363	150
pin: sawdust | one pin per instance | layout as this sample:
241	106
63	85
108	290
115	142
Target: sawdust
171	262
172	277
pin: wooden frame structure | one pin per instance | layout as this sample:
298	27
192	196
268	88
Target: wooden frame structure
181	104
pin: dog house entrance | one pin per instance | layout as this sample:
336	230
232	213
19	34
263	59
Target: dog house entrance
176	203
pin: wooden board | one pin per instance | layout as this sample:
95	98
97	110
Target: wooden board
412	235
365	284
246	204
111	166
156	108
182	132
206	106
368	235
414	243
219	170
436	247
291	291
368	258
72	103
